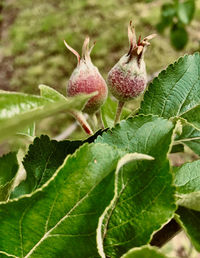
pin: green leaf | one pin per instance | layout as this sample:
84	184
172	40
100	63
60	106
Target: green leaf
28	131
60	220
119	187
144	252
186	11
176	90
13	103
108	111
190	136
190	221
8	170
50	93
11	125
187	181
168	11
178	36
43	159
193	116
145	195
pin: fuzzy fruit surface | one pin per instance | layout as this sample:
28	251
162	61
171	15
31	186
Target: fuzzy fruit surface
127	80
87	79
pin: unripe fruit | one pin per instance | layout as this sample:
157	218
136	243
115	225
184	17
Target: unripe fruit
87	79
128	78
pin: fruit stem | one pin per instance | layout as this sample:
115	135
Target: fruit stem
82	121
101	121
119	111
94	121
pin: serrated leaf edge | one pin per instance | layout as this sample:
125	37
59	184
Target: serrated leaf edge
140	248
158	79
124	160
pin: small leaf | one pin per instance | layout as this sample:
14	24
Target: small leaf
28	131
178	36
187	181
186	11
50	93
144	252
190	136
176	90
190	221
8	170
168	11
193	116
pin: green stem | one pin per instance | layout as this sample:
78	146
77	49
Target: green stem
119	111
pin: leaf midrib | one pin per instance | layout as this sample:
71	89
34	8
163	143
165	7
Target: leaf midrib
47	234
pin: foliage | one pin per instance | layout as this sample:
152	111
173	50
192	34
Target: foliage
108	195
177	14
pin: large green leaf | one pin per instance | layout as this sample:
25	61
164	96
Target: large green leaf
144	195
10	125
176	90
43	159
60	219
144	252
8	170
190	221
187	181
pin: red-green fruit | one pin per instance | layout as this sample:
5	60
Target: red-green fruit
87	79
128	78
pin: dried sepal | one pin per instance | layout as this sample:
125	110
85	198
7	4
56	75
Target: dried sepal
73	51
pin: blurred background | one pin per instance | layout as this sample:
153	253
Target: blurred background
32	32
32	50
